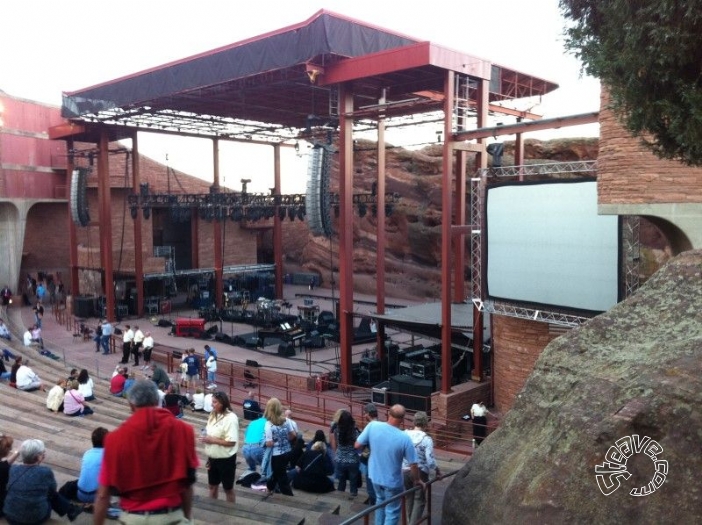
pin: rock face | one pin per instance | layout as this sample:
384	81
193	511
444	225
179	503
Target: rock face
635	370
413	230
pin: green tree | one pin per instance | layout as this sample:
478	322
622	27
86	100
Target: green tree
648	54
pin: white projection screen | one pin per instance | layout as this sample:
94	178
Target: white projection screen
547	247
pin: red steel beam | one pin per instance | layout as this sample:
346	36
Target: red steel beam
138	247
345	233
525	127
277	228
446	238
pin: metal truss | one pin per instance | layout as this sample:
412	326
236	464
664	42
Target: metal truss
553	168
630	238
533	314
227	270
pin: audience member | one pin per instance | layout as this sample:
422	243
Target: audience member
148	347
426	462
13	371
198	401
38	313
252	410
7	458
4	332
4	373
73	374
27	380
312	474
174	402
74	402
5	301
36	336
127	341
346	459
118	380
85	385
192	368
371	413
54	400
390	446
162	486
253	448
278	435
27	338
31	489
293	424
159	375
221	445
131	378
329	459
207	403
90	467
162	391
211	365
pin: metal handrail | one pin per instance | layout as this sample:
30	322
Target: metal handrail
365	514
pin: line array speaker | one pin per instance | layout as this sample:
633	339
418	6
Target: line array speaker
79	198
317	199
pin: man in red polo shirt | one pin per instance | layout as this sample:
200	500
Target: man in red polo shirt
150	462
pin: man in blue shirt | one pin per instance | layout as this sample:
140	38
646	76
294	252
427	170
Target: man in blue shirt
390	446
210	351
90	467
105	337
193	372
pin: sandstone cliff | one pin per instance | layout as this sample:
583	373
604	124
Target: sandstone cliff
413	252
635	370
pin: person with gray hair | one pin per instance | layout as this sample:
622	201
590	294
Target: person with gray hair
426	462
164	448
31	489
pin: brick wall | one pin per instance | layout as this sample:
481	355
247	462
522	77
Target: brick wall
628	173
517	343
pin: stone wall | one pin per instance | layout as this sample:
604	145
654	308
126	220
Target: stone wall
517	344
628	173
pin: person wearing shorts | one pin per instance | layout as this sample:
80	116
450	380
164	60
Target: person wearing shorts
221	445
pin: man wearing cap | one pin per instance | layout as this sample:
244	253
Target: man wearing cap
371	413
390	447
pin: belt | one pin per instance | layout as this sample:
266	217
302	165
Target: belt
164	510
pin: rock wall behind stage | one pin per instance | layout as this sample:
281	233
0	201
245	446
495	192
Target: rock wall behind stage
413	230
634	370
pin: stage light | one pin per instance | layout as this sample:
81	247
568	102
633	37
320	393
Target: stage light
133	211
362	209
301	213
291	213
281	213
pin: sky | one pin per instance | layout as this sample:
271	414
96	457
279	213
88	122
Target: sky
49	47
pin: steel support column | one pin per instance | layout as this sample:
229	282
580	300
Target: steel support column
217	229
380	244
138	244
105	215
72	234
481	161
277	227
446	237
345	232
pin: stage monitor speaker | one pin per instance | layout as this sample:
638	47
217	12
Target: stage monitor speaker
379	393
252	363
286	350
412	392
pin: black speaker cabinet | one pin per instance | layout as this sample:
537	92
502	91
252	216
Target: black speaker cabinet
412	392
286	350
83	306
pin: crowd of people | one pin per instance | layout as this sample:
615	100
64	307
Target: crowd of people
383	456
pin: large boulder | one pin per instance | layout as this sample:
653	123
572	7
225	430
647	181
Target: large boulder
635	370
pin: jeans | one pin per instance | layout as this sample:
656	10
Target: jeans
105	343
253	454
416	501
363	469
344	471
390	514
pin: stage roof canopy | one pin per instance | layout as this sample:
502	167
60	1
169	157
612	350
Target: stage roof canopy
283	85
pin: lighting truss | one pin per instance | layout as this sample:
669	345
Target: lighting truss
553	168
544	316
